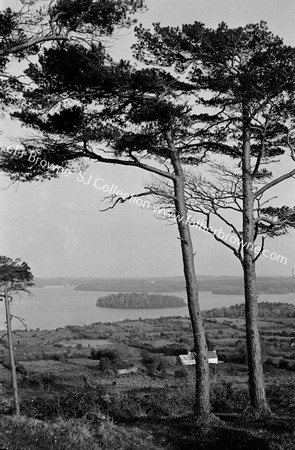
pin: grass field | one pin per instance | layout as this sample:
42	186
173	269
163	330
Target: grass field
70	401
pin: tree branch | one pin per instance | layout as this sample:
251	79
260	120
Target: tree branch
261	249
273	222
134	164
114	198
121	199
233	249
22	321
274	183
32	42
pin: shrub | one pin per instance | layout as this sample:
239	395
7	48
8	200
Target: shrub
162	403
75	405
283	364
228	397
154	363
38	379
269	361
175	350
104	353
146	357
238	357
269	364
106	365
180	373
89	404
59	356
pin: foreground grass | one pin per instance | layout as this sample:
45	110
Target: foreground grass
58	415
31	434
85	419
24	433
177	434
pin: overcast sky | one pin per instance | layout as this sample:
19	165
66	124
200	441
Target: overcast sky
56	226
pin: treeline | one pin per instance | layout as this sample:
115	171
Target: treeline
215	284
265	310
140	301
62	281
147	285
264	285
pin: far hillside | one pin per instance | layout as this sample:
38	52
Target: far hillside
265	310
215	284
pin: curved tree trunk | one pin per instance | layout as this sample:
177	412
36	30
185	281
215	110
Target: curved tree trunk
202	399
256	379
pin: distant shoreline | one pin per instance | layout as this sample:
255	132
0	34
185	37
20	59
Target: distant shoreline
218	285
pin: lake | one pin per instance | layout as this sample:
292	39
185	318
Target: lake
52	307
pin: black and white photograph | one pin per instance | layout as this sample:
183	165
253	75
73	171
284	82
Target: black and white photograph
147	243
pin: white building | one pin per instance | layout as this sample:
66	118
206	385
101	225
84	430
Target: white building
127	371
212	357
189	359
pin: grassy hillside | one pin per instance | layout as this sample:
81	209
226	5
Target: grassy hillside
71	401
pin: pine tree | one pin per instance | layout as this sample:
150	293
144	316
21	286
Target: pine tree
247	112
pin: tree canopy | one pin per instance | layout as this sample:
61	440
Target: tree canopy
15	274
220	91
24	31
140	301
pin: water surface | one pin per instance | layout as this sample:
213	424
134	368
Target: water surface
50	308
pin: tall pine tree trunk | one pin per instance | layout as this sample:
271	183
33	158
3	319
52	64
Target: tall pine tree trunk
11	354
256	379
202	398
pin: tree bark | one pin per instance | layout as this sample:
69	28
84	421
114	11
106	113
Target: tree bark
202	396
256	380
11	354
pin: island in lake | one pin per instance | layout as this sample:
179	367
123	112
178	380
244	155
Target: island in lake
140	301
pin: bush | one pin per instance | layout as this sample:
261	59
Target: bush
269	362
146	357
138	404
87	404
106	365
38	379
228	397
238	357
283	364
154	363
60	356
104	353
58	344
73	405
269	365
180	373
